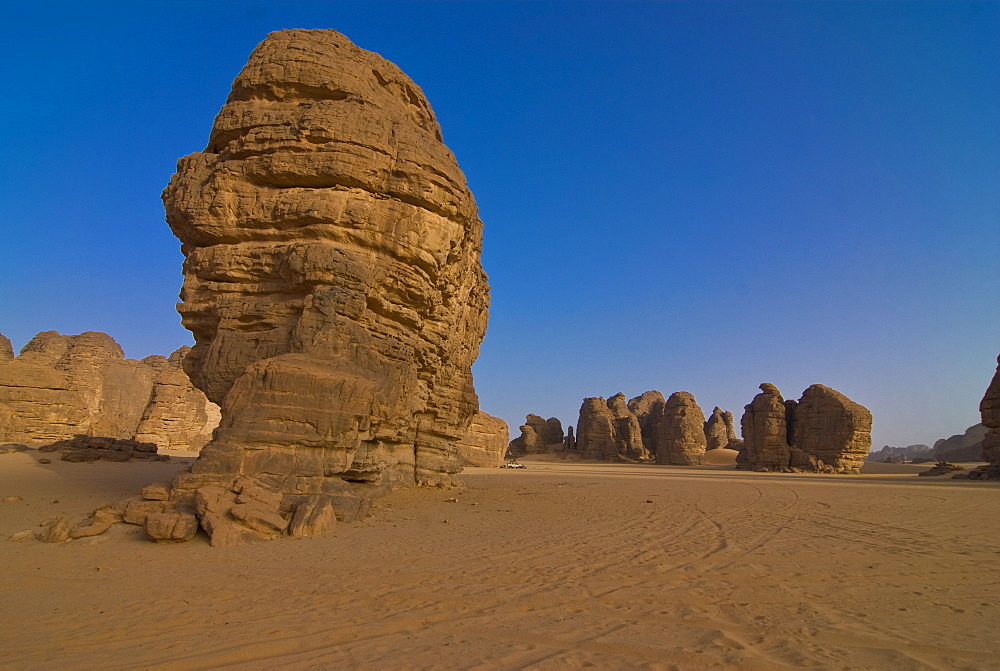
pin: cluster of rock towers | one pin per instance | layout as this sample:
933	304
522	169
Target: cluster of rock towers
648	428
823	432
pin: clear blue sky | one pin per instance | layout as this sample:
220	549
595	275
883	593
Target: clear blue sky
677	196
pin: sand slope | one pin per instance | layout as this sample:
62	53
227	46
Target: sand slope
556	566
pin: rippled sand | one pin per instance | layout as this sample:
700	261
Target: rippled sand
556	566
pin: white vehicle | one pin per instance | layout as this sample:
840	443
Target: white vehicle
512	464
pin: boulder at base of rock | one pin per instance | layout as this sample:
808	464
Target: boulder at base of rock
171	527
313	517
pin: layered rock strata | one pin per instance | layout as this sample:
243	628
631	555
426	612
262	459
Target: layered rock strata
332	281
63	386
178	416
823	432
485	441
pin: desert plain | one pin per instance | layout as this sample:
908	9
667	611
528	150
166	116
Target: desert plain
564	564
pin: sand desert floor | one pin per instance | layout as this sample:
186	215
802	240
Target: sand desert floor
560	565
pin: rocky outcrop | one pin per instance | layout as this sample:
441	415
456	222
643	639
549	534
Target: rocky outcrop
648	409
485	441
824	431
332	280
569	443
538	436
63	386
683	432
832	429
716	431
595	430
898	455
628	433
765	432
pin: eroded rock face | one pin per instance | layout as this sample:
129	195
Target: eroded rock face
485	441
765	432
63	386
332	278
684	432
989	408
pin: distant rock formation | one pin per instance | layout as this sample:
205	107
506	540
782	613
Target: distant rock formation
646	428
684	432
966	446
897	455
538	436
824	431
63	386
717	432
332	276
6	349
485	441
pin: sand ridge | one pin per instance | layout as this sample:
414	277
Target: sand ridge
557	566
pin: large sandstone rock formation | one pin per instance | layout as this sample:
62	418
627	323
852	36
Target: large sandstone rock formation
61	386
332	278
990	410
833	429
627	430
648	409
684	432
765	432
595	430
824	431
485	441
